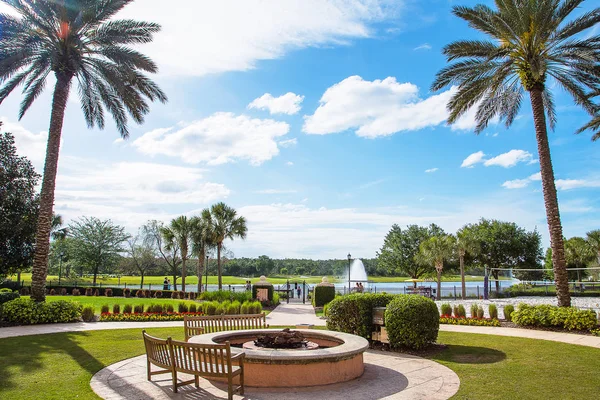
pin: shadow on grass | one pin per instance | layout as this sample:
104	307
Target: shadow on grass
470	355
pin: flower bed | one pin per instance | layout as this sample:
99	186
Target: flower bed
141	317
447	319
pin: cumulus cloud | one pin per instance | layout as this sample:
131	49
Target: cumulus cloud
473	159
288	103
218	139
430	170
379	108
30	145
516	184
510	159
568	184
233	35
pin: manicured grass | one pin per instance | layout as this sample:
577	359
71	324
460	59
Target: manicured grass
60	366
99	301
445	278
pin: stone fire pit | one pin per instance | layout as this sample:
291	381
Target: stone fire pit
338	358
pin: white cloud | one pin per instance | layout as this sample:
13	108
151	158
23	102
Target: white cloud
430	170
509	159
473	159
516	184
289	163
379	108
288	143
289	103
218	139
118	141
424	46
201	37
536	177
372	183
568	184
276	191
30	145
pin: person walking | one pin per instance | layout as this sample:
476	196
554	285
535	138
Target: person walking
166	284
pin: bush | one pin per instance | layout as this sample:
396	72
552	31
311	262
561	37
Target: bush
569	318
75	292
480	312
354	313
63	292
138	309
147	293
158	294
276	300
412	321
493	310
96	292
508	310
447	309
142	317
127	292
219	310
116	309
470	321
127	309
193	308
27	312
462	313
8	296
181	294
108	292
234	308
244	307
323	294
182	307
209	307
25	291
474	308
257	307
222	295
104	309
170	308
5	290
89	291
87	315
52	292
140	294
175	295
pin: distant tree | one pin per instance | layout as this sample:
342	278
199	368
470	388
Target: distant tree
593	238
465	244
436	251
152	233
18	207
179	232
203	240
397	255
225	224
96	243
579	254
57	230
142	255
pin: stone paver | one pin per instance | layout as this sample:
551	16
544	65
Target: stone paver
293	314
387	376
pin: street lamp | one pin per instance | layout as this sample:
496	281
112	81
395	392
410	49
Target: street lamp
61	254
349	259
206	274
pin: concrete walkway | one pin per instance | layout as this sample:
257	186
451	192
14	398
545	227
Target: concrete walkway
293	314
13	331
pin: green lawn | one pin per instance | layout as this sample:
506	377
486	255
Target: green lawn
60	366
99	301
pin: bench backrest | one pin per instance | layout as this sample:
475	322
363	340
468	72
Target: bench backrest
217	323
205	359
158	351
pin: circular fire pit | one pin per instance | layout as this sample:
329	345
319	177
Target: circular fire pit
338	358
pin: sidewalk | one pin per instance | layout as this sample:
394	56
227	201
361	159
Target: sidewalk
293	314
24	330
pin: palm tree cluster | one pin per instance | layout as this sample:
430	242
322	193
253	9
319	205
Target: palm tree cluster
197	235
534	46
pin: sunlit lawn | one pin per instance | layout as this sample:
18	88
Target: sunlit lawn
60	366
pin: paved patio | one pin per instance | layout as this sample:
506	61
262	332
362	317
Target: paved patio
387	376
293	314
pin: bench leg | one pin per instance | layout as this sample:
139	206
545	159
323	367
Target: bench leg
174	374
242	379
230	387
197	381
148	368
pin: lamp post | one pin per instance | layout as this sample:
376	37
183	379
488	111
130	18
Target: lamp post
61	254
349	259
206	274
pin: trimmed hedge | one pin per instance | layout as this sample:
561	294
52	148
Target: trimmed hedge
412	321
259	286
569	318
28	312
8	296
354	313
323	294
222	295
119	292
169	316
469	321
508	310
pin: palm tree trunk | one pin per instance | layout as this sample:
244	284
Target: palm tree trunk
44	223
550	200
219	265
200	270
439	283
461	260
183	260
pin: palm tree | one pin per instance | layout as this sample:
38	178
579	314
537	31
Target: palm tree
579	253
593	238
57	232
436	250
169	243
225	225
465	244
75	40
531	42
202	241
180	231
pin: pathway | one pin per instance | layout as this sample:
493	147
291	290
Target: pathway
293	314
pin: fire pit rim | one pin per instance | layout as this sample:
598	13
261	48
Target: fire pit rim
350	345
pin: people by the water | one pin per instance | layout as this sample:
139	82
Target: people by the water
166	284
299	291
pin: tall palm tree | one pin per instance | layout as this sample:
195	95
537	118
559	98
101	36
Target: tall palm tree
57	232
169	243
202	241
436	250
180	231
465	244
76	40
225	224
593	238
531	42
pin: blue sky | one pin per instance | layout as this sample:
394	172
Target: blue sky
343	139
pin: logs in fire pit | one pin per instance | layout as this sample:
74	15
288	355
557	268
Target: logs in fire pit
285	339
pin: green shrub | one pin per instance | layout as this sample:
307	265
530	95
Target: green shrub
569	318
474	308
193	308
480	312
527	315
447	309
8	296
116	309
104	309
257	307
5	290
462	313
210	307
182	307
138	309
470	321
222	295
127	309
508	310
276	298
325	308
354	313
27	312
323	294
244	308
170	308
493	310
219	310
225	305
412	321
234	308
88	314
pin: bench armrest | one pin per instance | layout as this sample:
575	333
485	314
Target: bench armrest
238	356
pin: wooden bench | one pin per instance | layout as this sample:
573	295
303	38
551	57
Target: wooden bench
217	323
200	360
